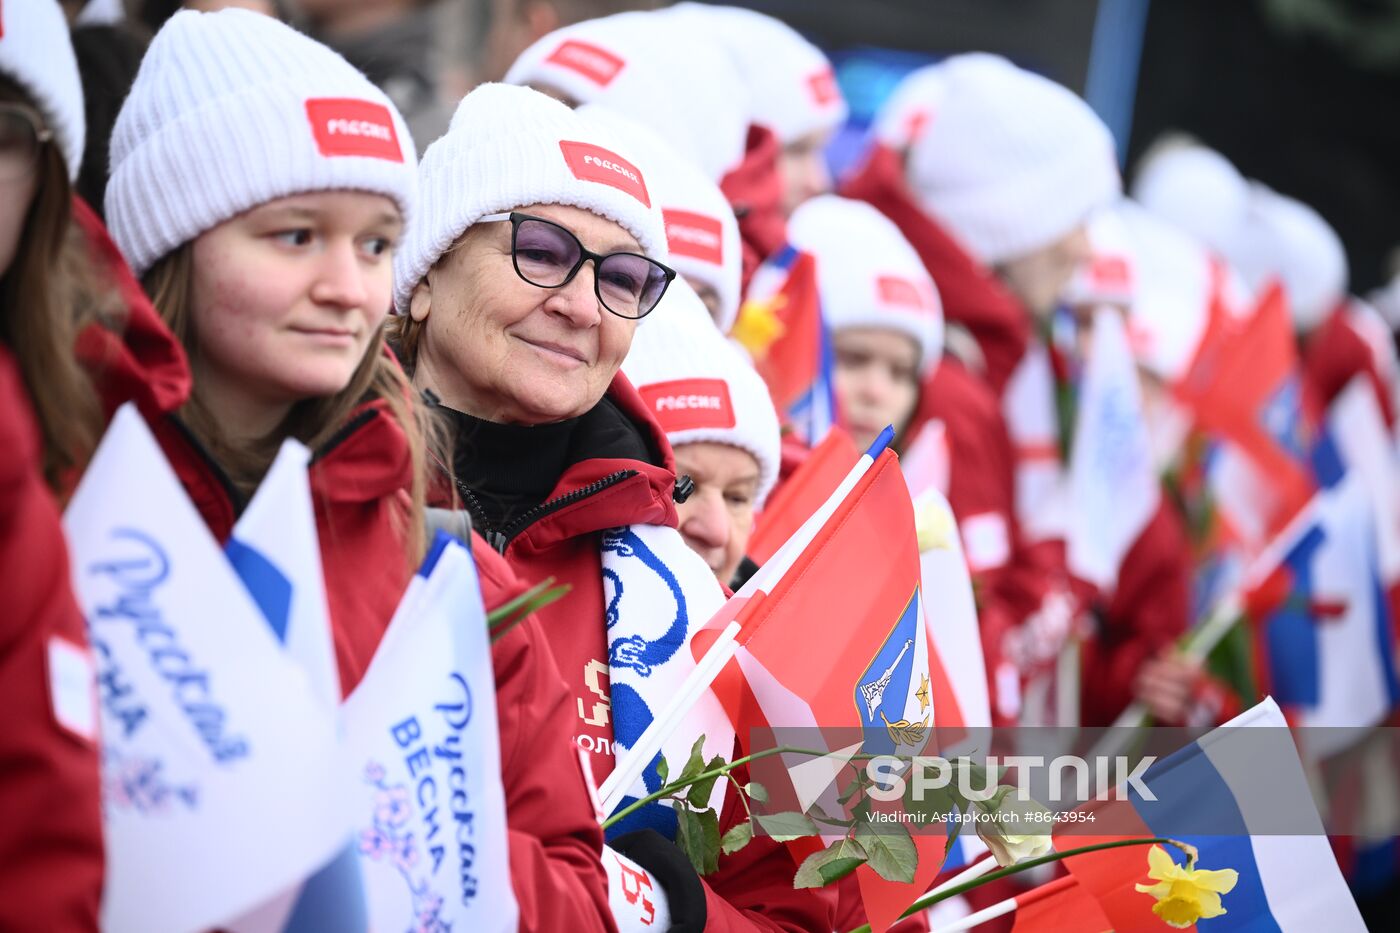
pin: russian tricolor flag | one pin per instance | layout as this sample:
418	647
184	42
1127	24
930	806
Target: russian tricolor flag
1240	796
792	350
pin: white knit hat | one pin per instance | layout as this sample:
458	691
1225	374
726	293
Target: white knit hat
792	89
911	108
37	54
509	147
233	109
1013	161
699	387
868	274
1167	279
645	66
1283	238
1195	188
701	231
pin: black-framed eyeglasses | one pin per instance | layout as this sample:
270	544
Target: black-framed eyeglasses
22	135
548	255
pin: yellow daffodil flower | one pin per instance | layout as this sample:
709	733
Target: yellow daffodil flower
1185	894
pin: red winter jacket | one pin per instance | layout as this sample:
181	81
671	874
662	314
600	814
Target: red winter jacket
752	889
1149	610
51	860
971	295
50	790
1010	577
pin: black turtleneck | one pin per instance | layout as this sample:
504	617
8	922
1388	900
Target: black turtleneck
510	468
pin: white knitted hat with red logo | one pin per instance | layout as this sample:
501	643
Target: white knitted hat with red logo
233	109
911	108
1011	162
868	274
509	147
1167	279
644	65
700	387
792	89
36	53
701	231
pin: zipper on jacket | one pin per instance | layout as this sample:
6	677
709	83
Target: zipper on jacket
500	539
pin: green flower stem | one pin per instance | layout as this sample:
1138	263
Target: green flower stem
1019	867
721	771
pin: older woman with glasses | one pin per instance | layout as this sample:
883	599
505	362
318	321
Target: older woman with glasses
537	253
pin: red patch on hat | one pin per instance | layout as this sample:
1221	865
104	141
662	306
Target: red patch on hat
594	163
595	63
897	290
1111	273
822	86
347	126
915	124
688	404
694	235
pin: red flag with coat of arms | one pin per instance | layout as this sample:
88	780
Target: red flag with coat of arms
834	638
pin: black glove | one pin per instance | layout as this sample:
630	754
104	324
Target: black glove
665	862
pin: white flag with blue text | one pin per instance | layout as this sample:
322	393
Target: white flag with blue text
219	756
276	552
421	729
1113	488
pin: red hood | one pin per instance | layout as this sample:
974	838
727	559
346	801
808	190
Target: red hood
972	295
143	362
643	499
755	189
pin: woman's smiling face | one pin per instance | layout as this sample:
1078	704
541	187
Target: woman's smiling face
499	348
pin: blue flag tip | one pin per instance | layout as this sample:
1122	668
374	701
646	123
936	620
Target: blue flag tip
881	442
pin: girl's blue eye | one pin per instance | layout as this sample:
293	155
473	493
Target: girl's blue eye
378	246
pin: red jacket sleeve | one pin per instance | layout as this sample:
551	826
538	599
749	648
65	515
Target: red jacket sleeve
556	843
50	791
1150	609
752	890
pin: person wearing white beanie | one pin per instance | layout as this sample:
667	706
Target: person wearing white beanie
717	414
881	307
1195	188
1013	164
649	68
791	85
1282	238
535	260
702	233
260	184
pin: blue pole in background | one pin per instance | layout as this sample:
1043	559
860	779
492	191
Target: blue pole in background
1110	86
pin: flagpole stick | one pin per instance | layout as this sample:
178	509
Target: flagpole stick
980	917
630	767
975	870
